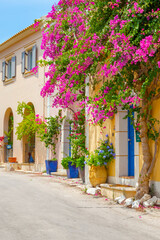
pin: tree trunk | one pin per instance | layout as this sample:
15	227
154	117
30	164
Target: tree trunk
143	181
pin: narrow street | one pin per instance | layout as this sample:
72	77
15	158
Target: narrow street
39	208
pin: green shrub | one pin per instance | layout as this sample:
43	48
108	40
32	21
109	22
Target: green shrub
80	162
103	155
66	160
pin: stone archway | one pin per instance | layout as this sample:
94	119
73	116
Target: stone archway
28	143
66	130
8	134
65	140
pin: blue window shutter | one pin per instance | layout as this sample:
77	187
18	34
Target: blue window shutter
3	71
28	61
34	56
13	66
23	62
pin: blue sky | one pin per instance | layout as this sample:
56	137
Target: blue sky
15	15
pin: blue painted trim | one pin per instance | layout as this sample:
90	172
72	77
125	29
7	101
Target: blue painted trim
130	148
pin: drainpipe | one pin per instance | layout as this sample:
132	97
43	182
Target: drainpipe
48	115
87	131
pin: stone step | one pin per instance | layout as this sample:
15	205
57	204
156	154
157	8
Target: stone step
2	166
113	191
60	173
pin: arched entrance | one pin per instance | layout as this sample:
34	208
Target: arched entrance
29	141
8	134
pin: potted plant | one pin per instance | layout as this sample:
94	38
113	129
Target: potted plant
69	164
48	134
99	161
51	165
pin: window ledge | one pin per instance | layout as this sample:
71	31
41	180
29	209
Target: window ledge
28	73
8	81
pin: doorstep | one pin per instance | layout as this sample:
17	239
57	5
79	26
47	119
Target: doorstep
59	173
12	166
127	177
127	180
113	191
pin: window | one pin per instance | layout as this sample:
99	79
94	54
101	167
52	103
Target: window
29	58
9	69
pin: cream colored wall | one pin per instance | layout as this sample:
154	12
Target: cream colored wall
96	133
23	88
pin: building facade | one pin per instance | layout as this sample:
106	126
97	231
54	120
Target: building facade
126	166
18	55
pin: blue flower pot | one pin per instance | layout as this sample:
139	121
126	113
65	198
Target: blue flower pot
51	166
72	171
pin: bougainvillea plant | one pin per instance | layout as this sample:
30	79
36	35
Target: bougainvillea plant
114	40
1	140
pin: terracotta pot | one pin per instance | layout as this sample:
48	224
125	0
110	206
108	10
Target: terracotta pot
12	159
97	175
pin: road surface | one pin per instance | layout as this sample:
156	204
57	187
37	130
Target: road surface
40	208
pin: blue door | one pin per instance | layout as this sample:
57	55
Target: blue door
130	148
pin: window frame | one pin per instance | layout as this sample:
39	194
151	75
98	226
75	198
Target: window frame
9	69
29	59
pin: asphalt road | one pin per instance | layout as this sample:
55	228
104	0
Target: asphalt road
38	208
